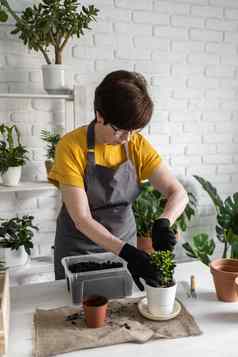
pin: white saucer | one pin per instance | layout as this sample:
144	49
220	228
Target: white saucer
143	309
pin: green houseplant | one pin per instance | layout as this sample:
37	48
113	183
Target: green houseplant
48	26
13	155
16	238
202	247
51	138
165	264
148	207
161	293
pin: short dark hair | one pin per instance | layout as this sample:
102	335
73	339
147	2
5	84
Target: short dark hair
122	99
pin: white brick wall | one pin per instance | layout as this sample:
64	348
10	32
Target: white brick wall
187	50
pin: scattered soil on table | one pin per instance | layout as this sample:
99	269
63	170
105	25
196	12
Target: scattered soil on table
92	266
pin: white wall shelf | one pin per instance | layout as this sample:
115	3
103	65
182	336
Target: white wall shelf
28	186
37	96
72	119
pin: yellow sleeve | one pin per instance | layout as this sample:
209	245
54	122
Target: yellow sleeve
68	166
147	159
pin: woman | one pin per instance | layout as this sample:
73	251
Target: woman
99	168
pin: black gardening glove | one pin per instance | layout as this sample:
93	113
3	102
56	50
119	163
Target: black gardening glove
139	265
163	237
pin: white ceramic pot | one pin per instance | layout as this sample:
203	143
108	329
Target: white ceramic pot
14	258
57	78
160	300
12	176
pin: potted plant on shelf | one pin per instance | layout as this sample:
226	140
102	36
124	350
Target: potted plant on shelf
49	26
224	270
13	155
161	293
51	139
148	207
16	236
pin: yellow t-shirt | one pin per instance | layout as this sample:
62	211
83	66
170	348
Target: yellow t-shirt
71	157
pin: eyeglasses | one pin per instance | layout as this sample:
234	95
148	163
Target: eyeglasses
118	131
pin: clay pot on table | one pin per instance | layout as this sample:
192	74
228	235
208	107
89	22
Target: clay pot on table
225	272
95	310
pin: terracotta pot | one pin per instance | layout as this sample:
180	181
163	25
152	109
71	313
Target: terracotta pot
178	236
48	165
224	272
95	310
145	244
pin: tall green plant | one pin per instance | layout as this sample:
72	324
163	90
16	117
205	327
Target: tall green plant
12	152
149	206
51	23
16	232
226	228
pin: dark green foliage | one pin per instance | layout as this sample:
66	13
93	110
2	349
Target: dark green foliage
51	23
12	152
51	139
147	208
228	214
150	204
226	228
165	264
16	232
2	265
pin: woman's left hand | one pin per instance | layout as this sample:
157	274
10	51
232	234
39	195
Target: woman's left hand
163	237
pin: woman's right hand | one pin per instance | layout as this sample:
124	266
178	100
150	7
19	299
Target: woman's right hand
139	265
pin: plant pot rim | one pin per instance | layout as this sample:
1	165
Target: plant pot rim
218	265
146	236
99	299
162	287
9	167
54	65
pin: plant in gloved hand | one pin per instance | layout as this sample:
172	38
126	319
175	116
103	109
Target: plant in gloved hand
147	209
139	265
164	263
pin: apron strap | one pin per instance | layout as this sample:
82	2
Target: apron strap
91	142
127	151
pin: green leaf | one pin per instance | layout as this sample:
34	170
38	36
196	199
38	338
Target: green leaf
200	247
3	16
234	249
211	190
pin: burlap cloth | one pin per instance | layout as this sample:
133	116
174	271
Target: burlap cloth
54	335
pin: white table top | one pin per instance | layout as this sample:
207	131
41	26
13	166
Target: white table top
217	320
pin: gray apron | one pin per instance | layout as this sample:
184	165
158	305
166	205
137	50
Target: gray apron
110	193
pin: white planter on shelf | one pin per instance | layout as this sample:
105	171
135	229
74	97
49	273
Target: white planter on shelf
161	300
14	258
57	78
12	176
